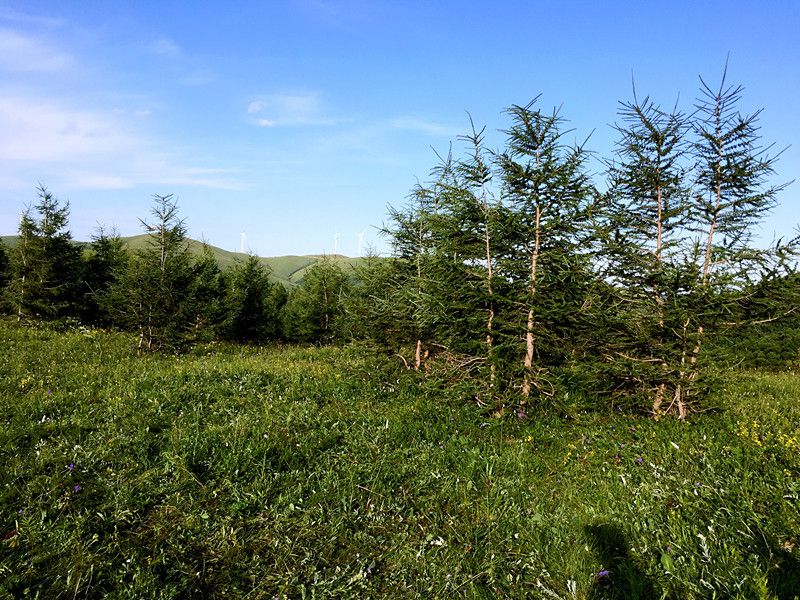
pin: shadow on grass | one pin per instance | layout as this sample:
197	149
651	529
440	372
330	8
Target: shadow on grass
783	577
621	577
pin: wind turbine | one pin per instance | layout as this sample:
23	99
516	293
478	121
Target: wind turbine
335	241
241	245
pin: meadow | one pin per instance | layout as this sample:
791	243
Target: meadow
322	472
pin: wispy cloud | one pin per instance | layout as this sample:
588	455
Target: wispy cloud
24	53
423	126
277	110
93	149
165	47
27	18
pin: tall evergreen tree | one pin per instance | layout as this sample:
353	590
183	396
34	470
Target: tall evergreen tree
153	294
251	304
649	200
546	184
106	259
699	186
44	262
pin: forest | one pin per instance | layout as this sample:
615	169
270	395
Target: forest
561	384
512	270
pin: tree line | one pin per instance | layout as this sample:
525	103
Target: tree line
512	269
170	297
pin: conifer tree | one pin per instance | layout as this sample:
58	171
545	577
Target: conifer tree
5	276
699	185
251	303
152	296
550	194
206	296
44	263
649	211
106	259
315	308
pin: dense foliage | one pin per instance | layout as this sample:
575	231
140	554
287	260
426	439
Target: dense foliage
513	273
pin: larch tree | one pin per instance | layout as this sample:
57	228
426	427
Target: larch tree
546	184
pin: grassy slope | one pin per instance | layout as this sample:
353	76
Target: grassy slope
289	270
290	472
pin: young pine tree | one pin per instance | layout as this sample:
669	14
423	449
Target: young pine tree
106	259
251	303
315	309
649	204
153	296
44	263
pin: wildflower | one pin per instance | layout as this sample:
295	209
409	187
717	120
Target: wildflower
697	484
603	573
71	466
77	488
49	392
20	511
639	460
521	415
669	548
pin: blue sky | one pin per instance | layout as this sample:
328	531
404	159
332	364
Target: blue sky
298	121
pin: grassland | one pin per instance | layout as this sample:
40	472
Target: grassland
332	473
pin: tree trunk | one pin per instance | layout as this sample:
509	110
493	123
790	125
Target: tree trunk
530	339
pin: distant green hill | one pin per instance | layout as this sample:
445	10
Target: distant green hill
288	270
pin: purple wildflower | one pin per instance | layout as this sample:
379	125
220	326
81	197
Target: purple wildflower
77	488
697	484
639	460
49	392
521	415
20	511
71	466
669	548
603	573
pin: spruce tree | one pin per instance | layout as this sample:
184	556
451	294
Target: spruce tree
546	185
697	186
314	310
649	202
152	296
251	305
44	262
106	259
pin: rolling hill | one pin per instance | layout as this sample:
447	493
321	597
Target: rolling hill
288	270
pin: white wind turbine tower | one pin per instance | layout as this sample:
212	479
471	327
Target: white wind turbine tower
335	241
241	243
360	237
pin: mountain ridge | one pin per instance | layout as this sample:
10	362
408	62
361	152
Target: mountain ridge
287	269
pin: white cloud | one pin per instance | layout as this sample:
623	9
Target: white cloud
43	130
24	53
91	149
280	110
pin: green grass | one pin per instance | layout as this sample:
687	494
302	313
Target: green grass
329	473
